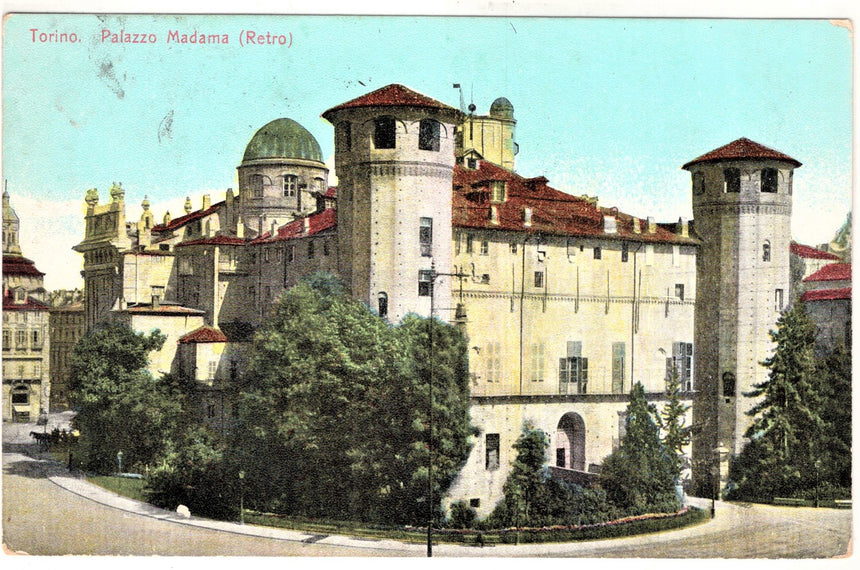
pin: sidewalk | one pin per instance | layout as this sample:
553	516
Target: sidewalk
727	515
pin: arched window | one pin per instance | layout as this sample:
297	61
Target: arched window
291	183
769	180
384	132
765	251
732	177
428	134
383	304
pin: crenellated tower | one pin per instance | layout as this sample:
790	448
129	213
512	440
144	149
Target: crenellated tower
742	207
394	157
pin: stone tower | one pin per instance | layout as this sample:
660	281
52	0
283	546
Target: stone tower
742	208
11	227
394	157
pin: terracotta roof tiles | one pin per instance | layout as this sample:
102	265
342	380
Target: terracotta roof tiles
202	335
742	148
394	95
17	265
182	220
827	295
832	272
317	223
807	252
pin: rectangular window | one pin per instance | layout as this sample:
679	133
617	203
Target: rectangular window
384	132
213	369
539	279
310	249
325	247
428	134
538	362
777	300
20	396
469	243
597	253
769	180
425	283
573	370
679	291
618	358
494	362
682	362
485	247
491	461
732	180
513	247
291	253
20	339
7	338
625	252
425	237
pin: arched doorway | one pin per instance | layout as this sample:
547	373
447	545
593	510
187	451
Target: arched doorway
570	442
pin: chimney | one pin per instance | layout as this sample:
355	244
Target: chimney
156	301
637	226
166	219
306	225
207	201
609	226
274	228
187	206
240	227
494	215
652	225
527	216
683	227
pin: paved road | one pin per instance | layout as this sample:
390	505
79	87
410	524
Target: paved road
45	511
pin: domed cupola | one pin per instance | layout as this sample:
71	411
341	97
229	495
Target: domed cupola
282	171
283	139
502	108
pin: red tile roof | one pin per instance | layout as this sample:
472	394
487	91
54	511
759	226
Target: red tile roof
394	95
741	149
317	222
331	192
182	220
553	212
203	334
17	265
31	304
826	295
832	272
215	240
801	250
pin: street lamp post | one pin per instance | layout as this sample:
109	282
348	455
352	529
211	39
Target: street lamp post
241	497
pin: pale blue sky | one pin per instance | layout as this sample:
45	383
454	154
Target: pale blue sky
611	107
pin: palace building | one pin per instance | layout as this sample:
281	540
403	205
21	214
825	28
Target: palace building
565	302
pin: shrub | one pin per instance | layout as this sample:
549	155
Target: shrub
462	515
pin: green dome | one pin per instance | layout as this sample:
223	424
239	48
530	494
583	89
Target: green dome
501	107
283	138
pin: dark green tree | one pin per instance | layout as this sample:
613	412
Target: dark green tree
834	373
788	431
672	421
121	406
333	419
639	476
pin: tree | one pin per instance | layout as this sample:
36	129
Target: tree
639	476
121	406
333	419
834	374
672	422
787	432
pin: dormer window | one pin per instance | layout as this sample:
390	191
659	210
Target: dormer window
291	183
384	132
732	178
428	134
769	180
472	163
498	191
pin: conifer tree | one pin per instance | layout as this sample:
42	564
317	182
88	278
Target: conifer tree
786	434
672	421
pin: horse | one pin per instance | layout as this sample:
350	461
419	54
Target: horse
43	439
